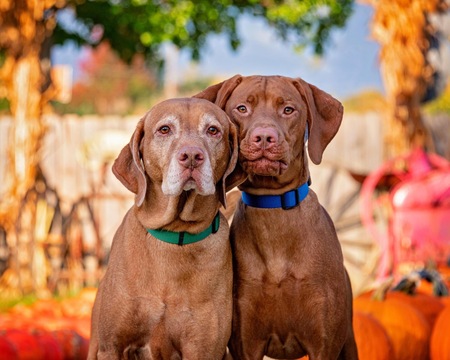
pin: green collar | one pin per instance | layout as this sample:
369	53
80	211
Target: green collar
183	238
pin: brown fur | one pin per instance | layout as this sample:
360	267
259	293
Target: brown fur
292	295
160	300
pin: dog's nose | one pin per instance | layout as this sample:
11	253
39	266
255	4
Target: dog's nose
264	137
191	156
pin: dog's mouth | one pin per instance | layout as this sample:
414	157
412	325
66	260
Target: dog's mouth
264	167
190	184
196	180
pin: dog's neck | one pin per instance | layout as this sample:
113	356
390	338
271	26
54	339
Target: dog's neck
188	212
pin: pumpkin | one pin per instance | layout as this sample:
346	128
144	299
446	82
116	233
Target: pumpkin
7	349
48	342
371	338
430	306
407	291
406	327
440	338
445	300
26	345
72	344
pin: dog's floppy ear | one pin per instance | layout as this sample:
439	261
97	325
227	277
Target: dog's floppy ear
220	93
324	118
128	166
234	175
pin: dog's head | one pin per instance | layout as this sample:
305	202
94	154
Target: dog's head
179	145
275	115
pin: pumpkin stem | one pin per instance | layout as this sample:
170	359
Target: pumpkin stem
380	292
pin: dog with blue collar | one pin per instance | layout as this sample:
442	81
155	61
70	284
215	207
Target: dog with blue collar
292	294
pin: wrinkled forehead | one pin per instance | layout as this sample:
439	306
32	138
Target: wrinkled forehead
259	88
188	113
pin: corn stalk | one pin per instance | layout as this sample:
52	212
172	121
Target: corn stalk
403	31
24	26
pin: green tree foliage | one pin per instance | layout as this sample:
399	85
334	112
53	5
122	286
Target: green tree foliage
141	26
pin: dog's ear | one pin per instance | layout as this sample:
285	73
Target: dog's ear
324	118
128	166
220	93
234	175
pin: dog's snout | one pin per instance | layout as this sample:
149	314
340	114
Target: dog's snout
191	156
264	137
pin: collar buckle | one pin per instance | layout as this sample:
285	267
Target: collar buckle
284	198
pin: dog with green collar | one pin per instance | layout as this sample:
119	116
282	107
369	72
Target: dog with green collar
167	291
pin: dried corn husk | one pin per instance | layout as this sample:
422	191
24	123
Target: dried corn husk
402	29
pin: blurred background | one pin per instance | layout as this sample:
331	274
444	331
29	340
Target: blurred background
77	75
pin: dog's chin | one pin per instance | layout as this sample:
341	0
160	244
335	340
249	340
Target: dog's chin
264	167
191	183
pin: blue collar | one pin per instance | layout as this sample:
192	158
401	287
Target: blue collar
184	238
286	201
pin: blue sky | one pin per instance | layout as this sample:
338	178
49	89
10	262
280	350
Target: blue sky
349	66
350	63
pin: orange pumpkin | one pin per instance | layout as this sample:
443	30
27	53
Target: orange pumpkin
427	304
430	306
440	338
445	300
371	338
406	327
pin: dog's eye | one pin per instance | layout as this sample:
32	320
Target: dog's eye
212	130
241	109
164	130
288	110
